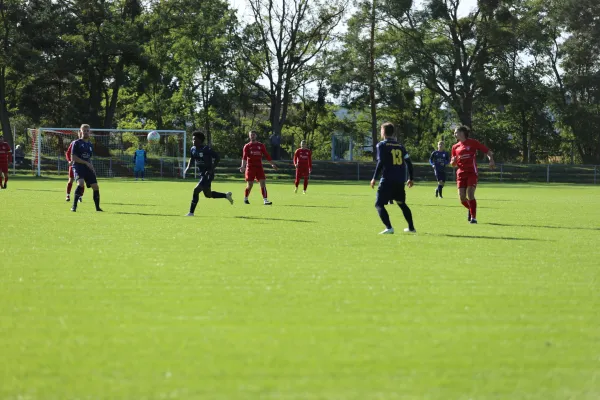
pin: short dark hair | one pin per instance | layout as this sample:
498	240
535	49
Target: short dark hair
388	129
464	129
199	135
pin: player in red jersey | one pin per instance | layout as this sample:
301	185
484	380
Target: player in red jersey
252	165
68	156
5	157
303	164
463	157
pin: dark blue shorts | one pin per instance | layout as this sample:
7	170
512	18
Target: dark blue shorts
390	191
440	174
206	179
83	172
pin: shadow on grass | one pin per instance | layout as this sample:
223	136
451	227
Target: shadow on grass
299	205
543	226
485	237
276	219
147	214
43	190
132	204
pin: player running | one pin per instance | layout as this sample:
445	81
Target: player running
252	165
5	157
139	162
463	157
438	160
393	160
303	164
68	156
206	160
84	170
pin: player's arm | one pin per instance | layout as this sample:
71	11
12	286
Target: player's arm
145	156
431	159
188	167
244	157
268	157
309	162
453	159
378	167
409	166
490	155
295	161
134	156
216	158
69	152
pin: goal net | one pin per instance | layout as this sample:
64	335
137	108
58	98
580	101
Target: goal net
113	151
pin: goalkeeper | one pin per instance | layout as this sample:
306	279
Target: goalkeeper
139	161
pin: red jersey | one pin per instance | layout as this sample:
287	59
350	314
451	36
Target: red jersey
253	154
69	152
465	154
303	158
5	153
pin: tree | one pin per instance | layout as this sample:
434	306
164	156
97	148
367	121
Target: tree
282	44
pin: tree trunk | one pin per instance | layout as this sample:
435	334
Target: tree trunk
4	120
112	107
524	138
372	82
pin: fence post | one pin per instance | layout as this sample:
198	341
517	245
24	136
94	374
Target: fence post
501	171
358	171
161	167
110	172
595	168
58	164
548	173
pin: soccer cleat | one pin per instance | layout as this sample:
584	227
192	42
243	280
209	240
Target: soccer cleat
73	209
99	210
190	215
246	201
68	198
472	221
296	190
268	203
387	231
229	197
410	230
304	192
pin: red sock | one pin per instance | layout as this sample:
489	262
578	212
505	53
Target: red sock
466	204
69	186
246	192
305	182
297	181
263	190
473	208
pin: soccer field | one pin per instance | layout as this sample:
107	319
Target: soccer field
300	300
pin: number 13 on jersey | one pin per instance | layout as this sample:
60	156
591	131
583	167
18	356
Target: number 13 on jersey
397	157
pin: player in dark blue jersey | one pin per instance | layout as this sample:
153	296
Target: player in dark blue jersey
438	160
393	162
206	160
82	152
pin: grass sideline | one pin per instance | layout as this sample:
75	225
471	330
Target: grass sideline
300	300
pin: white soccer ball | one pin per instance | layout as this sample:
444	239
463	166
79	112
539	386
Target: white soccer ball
153	136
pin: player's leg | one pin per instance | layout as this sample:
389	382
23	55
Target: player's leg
437	189
297	181
441	187
70	182
5	173
250	176
263	190
400	197
472	203
78	192
91	181
381	200
195	197
305	183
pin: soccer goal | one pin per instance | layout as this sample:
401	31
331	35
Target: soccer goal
113	151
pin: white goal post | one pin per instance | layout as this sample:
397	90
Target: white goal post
113	151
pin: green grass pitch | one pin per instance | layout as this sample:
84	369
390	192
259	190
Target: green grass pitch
300	300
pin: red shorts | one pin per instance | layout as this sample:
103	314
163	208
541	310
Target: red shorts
4	169
302	172
255	174
465	179
71	173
